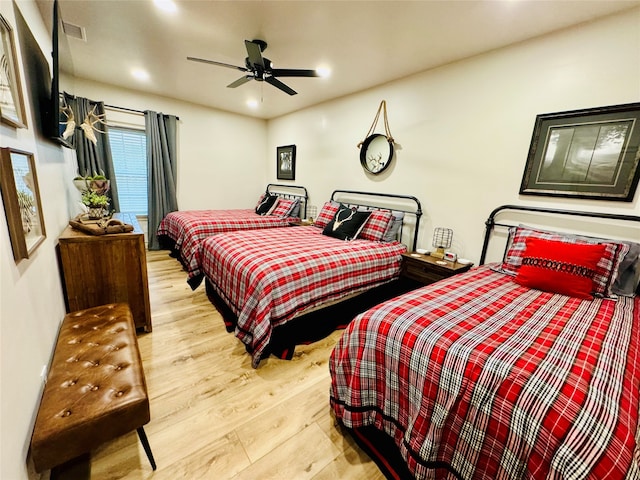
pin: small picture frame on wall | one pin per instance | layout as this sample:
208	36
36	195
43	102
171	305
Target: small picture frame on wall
11	102
21	198
591	153
286	162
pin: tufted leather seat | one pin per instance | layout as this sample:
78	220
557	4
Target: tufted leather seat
95	389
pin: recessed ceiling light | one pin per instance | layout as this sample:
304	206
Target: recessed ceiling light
166	5
252	103
324	72
140	74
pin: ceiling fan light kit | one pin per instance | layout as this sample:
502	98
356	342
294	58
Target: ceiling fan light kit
260	68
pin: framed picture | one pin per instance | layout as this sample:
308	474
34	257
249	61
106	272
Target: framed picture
286	162
21	198
591	153
11	103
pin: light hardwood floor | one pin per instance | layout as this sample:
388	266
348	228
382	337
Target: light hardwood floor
215	417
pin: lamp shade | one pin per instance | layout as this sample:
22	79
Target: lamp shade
442	237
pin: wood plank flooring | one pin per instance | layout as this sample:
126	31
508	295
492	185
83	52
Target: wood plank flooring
215	417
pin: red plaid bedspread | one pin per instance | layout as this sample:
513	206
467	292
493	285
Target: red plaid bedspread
268	276
188	228
482	377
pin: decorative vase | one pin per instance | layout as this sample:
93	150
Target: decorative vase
96	213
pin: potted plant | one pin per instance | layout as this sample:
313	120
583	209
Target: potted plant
97	203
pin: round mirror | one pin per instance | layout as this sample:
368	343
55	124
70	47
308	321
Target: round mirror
376	153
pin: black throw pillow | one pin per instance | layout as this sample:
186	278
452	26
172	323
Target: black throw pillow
265	205
347	223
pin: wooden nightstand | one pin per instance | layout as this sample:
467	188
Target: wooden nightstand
426	269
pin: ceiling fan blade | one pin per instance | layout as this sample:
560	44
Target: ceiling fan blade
278	84
290	72
220	64
240	81
255	53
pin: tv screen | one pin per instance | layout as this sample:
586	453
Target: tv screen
60	49
42	82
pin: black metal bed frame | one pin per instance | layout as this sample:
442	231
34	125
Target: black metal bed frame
286	191
491	223
417	212
380	447
317	324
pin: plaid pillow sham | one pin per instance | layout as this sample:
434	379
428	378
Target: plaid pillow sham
284	207
376	226
327	212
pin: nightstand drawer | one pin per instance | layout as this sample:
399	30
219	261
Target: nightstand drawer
422	272
426	269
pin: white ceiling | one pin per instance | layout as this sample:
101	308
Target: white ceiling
364	43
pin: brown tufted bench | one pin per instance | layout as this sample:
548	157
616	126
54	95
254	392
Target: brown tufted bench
95	389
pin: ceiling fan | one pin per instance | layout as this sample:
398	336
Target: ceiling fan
259	68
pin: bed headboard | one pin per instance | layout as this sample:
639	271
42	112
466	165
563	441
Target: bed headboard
491	222
384	201
292	192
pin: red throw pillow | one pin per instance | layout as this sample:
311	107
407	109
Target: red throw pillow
559	267
606	271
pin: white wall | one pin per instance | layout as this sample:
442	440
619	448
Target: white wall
465	128
220	154
31	301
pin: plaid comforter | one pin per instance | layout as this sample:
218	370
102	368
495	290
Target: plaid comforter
268	276
188	228
476	377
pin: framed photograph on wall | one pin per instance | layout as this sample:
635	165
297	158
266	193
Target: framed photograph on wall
286	162
11	102
591	153
21	198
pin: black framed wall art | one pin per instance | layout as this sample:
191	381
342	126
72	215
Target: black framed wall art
590	153
286	162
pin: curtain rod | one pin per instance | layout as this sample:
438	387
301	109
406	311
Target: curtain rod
132	110
113	107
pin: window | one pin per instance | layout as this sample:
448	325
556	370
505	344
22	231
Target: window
129	154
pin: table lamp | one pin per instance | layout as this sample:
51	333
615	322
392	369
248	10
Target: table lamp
441	240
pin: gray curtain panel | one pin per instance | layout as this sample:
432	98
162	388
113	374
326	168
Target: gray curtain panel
161	169
92	158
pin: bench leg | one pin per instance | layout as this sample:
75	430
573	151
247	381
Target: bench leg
146	446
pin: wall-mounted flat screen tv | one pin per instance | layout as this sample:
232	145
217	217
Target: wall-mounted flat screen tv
43	82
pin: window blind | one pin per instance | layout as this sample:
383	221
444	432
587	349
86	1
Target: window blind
129	154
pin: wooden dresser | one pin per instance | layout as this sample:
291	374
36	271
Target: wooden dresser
101	269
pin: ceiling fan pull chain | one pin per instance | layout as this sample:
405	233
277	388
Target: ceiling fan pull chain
381	108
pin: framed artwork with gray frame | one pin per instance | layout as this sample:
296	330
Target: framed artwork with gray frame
21	198
591	153
286	162
12	110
